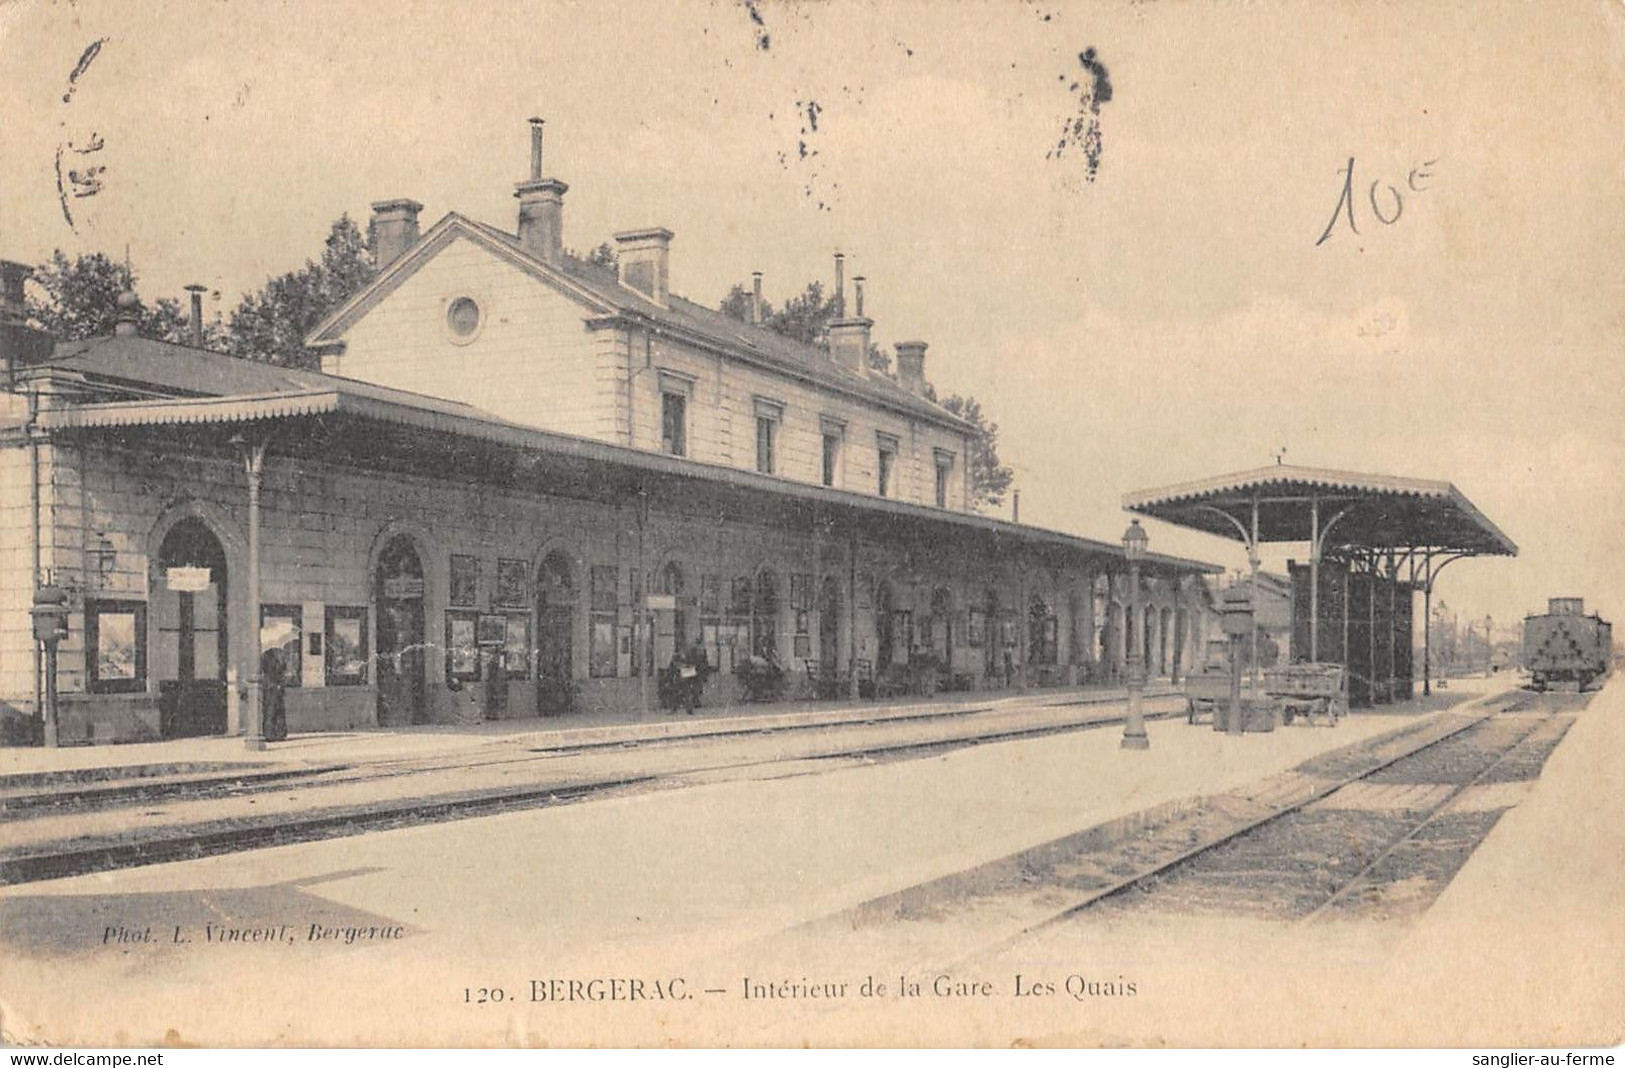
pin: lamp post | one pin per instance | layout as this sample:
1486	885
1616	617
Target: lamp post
1134	543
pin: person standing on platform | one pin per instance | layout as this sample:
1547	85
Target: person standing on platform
692	667
273	696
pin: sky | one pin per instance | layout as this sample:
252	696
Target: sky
1196	302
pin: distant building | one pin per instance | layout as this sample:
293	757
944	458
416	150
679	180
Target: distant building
518	486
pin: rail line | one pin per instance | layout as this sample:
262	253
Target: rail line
1161	874
1043	873
208	836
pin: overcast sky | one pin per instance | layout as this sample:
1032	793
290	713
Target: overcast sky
1171	319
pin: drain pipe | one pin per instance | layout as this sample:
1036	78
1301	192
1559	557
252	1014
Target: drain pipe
29	431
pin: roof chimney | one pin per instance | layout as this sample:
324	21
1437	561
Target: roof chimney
857	293
756	297
197	313
848	338
645	262
394	229
911	366
541	206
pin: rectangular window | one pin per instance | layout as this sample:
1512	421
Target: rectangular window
766	428
282	630
116	646
674	424
346	646
602	649
832	458
945	470
462	646
885	461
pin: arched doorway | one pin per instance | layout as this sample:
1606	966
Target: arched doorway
1181	641
885	626
993	639
1165	646
1043	633
1114	638
942	627
555	631
189	616
399	600
829	628
671	625
764	619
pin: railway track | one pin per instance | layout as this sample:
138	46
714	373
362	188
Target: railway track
1328	840
438	790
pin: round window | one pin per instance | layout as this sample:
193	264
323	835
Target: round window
463	318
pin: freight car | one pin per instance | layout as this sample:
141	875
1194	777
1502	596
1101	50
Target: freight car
1566	645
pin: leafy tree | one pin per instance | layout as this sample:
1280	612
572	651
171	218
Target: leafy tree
603	256
78	299
271	325
736	305
990	479
805	316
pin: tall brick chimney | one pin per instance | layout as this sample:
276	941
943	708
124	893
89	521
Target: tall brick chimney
196	323
911	366
848	337
541	206
394	229
645	262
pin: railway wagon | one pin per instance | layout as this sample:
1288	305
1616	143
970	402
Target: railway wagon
1566	645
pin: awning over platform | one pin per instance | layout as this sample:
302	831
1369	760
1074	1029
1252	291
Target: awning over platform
1349	509
372	425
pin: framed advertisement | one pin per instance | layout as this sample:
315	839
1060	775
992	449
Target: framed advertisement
462	646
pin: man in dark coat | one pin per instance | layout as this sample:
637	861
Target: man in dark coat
692	667
273	696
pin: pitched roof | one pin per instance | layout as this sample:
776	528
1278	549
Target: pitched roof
600	288
145	366
1376	511
365	403
139	367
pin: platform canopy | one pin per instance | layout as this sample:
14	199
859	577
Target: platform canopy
1336	509
1384	524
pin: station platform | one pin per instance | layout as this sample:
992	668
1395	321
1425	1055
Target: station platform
578	730
94	809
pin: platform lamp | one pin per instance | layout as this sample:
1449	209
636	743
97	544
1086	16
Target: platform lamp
1135	540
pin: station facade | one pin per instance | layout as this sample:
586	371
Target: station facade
518	486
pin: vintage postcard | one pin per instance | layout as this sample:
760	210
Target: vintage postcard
769	523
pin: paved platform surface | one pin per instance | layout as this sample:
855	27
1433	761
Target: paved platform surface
662	882
573	731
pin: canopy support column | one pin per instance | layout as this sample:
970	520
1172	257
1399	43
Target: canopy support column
252	454
1252	564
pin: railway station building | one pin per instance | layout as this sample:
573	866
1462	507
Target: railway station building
517	486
